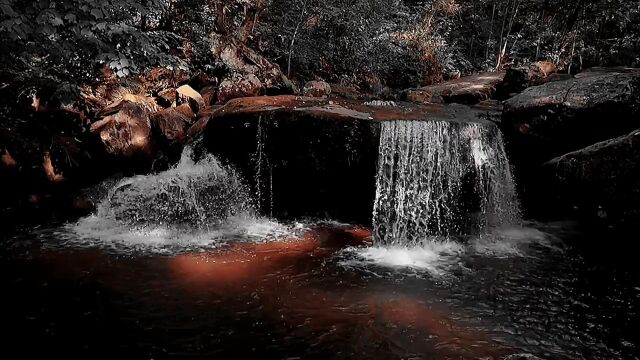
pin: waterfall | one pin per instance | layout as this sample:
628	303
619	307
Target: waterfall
441	178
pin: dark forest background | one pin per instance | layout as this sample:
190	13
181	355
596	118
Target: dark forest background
364	43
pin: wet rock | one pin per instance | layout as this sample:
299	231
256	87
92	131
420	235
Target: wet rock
566	115
238	85
466	90
316	89
600	182
186	94
125	131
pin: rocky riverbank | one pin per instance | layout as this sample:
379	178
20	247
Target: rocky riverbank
58	139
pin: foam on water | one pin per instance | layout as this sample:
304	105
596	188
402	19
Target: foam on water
437	256
433	256
96	231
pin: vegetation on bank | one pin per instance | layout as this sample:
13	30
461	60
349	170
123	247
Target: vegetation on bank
399	43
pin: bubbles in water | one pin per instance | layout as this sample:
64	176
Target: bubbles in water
432	256
437	256
441	178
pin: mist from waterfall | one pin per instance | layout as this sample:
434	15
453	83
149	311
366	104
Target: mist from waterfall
440	178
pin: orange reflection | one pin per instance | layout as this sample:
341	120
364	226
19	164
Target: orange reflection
242	264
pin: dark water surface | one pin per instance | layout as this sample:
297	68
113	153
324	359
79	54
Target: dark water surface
321	293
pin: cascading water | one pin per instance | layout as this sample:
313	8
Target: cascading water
440	178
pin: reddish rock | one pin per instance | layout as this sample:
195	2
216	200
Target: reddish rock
316	89
186	94
7	160
171	125
238	85
209	94
341	109
167	97
125	131
186	110
467	90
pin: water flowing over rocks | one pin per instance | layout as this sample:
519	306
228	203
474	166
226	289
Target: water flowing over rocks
311	156
433	175
197	194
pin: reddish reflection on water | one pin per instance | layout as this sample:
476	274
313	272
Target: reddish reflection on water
321	315
274	282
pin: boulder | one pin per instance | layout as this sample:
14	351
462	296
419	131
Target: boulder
466	90
167	97
186	94
170	125
238	85
316	89
547	121
125	131
600	182
209	94
567	115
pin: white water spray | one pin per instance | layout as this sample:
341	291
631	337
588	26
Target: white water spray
192	205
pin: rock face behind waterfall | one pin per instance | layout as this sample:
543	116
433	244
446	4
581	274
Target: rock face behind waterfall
312	156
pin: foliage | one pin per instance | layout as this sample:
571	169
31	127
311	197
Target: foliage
398	43
67	38
411	42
